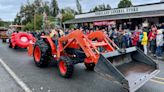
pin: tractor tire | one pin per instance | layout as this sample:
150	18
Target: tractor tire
65	66
89	66
41	54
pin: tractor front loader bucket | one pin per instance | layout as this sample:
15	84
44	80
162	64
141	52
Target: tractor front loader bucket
131	69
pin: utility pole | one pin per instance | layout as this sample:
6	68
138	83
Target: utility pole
44	19
34	21
44	15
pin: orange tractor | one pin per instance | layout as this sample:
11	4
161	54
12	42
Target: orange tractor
130	67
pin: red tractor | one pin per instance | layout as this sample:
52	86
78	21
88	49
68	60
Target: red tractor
21	40
130	67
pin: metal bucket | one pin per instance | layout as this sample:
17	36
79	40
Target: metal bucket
131	69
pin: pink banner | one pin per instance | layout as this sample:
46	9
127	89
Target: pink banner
104	23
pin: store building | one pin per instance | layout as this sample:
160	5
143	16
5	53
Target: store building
150	13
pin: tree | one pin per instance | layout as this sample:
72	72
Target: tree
68	14
38	6
39	22
17	20
54	8
46	8
50	22
78	5
101	8
1	22
94	9
30	25
124	4
108	7
38	3
27	12
35	9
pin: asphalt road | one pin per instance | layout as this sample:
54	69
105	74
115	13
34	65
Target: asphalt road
7	84
48	80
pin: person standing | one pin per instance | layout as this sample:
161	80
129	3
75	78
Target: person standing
124	41
114	37
54	35
152	41
144	42
135	38
140	33
159	43
120	39
127	39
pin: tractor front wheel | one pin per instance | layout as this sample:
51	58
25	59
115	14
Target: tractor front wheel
41	54
89	66
65	66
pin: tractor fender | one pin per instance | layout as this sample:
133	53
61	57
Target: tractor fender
30	49
51	44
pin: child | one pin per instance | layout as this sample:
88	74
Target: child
144	42
135	39
159	43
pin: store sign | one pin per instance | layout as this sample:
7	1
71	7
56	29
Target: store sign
117	11
104	23
136	9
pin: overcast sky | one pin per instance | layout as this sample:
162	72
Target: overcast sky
9	8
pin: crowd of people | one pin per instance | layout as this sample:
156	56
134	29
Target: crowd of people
147	39
150	40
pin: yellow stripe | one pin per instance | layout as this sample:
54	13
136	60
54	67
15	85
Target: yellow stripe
159	78
159	82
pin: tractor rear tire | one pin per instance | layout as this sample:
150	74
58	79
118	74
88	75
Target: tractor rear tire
65	66
89	66
41	54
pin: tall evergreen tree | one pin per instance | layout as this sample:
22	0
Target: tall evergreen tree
108	7
1	22
54	8
46	8
38	4
78	5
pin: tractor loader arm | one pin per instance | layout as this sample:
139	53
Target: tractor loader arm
101	36
84	43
